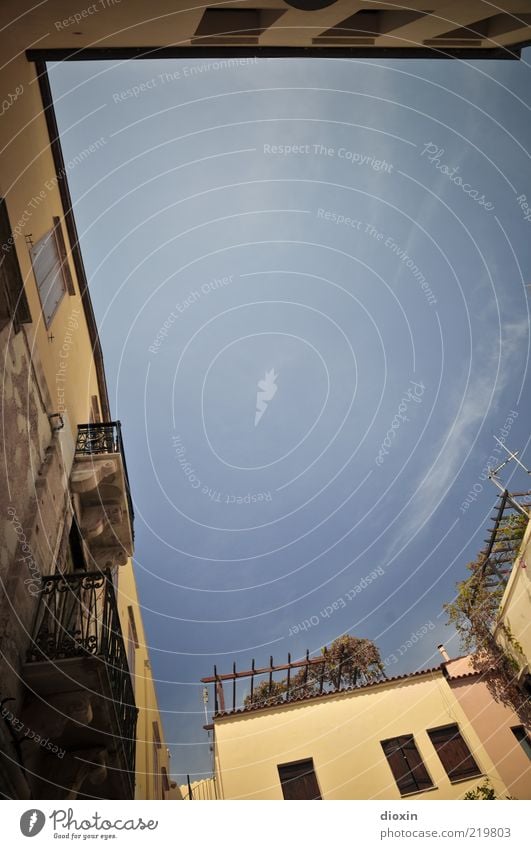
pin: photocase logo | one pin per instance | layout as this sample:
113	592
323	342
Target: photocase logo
267	389
32	822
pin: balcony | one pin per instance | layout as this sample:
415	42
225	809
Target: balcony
101	494
80	691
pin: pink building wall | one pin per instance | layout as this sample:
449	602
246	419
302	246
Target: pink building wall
492	722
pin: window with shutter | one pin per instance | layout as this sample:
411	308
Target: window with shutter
406	764
51	270
132	644
523	738
13	302
298	780
157	775
454	753
61	247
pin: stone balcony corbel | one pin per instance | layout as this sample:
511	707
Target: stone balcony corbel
86	477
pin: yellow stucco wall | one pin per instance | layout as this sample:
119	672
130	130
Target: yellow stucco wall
342	734
28	184
145	695
515	608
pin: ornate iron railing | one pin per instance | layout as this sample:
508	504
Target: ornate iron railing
104	438
77	616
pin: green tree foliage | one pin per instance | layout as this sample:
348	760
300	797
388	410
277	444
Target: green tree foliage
266	696
348	662
482	791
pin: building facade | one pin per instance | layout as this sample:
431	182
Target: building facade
71	708
500	730
435	734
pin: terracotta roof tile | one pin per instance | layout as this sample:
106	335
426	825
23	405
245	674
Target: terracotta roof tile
313	696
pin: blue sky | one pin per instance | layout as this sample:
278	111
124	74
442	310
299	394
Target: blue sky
357	230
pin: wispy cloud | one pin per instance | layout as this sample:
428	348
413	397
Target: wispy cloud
490	375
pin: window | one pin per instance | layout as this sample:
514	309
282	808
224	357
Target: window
298	780
132	644
95	416
165	781
523	738
406	764
50	267
75	558
454	753
13	302
157	774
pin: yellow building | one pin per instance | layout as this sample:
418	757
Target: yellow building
416	736
152	756
435	734
69	703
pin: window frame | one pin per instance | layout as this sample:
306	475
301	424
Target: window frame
309	772
157	765
132	644
524	740
454	779
60	270
408	741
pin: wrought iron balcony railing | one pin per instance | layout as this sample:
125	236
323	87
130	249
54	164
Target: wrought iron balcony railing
104	438
77	617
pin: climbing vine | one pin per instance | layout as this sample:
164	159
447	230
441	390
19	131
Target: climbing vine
475	616
348	662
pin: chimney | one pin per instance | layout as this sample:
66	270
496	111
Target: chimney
446	656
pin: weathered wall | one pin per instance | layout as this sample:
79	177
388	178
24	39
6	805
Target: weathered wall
43	372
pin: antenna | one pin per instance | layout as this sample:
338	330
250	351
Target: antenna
512	456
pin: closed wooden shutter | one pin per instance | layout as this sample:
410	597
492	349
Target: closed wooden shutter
523	738
454	753
406	764
47	268
13	302
299	781
61	247
157	775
